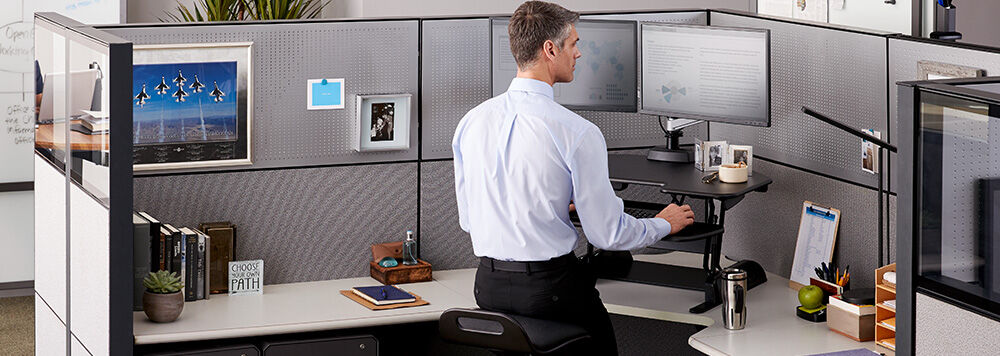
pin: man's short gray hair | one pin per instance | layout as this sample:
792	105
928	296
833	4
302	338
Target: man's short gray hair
535	22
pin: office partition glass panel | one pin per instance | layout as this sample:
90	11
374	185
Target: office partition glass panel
50	92
89	116
959	158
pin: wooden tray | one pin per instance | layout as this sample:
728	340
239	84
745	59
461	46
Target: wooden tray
420	272
350	295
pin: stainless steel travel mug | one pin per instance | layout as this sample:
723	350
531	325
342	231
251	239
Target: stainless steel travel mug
734	293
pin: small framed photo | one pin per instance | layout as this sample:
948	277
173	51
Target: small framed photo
383	122
869	153
741	154
709	155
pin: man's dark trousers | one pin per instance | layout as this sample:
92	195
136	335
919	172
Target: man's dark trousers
565	293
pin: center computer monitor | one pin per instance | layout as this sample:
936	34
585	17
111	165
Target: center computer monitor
719	74
605	74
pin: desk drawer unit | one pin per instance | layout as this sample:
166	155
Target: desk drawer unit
231	350
365	345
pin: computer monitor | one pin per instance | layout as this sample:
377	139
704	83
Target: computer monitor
605	74
82	84
719	74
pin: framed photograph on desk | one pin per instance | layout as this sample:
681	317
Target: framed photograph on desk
741	154
383	122
193	105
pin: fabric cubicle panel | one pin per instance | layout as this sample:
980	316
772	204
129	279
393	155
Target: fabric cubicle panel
838	73
285	55
456	77
307	224
945	329
904	53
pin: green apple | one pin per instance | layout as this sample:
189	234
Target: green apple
811	297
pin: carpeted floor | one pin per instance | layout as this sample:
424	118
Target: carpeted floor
17	326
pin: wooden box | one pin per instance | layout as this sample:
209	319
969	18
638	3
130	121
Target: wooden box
855	326
420	272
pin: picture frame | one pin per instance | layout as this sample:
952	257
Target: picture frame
325	94
869	153
383	122
931	70
710	155
193	105
741	154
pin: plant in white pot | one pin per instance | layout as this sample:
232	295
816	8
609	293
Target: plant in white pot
163	300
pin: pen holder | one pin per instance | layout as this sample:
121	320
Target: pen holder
732	173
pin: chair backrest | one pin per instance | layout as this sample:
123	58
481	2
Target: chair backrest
484	329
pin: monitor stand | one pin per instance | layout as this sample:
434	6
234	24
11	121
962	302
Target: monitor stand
672	151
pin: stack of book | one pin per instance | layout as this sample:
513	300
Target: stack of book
185	251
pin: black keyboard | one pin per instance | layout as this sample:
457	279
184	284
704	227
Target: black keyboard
641	213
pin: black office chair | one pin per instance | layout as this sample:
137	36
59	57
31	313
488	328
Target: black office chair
506	334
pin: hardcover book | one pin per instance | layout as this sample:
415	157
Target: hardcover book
383	295
140	258
154	243
222	251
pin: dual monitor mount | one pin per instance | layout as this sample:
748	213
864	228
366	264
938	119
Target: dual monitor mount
672	152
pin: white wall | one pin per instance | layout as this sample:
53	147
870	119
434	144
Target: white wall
876	14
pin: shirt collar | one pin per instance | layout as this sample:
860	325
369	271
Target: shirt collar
531	86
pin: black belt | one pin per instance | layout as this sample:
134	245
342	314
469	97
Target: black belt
528	267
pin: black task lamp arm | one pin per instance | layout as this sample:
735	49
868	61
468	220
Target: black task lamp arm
860	134
882	145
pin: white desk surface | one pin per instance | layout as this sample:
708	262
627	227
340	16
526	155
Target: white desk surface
299	307
772	326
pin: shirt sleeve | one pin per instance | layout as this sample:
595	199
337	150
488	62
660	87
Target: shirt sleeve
463	203
601	212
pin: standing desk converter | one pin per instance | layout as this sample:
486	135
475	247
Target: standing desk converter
682	180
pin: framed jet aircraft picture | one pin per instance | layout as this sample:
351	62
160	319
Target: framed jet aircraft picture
193	105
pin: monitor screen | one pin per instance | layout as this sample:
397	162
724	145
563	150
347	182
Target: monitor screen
605	74
717	74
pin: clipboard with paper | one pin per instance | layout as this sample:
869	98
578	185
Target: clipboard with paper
816	240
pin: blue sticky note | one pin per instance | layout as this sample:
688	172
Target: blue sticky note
329	94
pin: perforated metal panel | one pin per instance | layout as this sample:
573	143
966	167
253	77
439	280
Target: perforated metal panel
966	145
764	226
903	58
840	74
307	224
378	57
456	78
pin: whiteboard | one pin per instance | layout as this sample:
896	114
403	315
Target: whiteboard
17	107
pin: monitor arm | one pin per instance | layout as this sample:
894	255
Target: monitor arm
944	21
672	152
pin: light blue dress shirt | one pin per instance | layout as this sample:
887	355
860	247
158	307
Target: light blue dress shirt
520	158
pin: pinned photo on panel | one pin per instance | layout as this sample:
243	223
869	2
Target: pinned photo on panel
869	153
383	122
191	105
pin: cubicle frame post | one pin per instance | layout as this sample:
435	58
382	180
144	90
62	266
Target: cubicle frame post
906	220
120	254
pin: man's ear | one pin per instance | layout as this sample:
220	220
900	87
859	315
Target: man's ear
549	49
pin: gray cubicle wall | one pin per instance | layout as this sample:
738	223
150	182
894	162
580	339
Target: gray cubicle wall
374	57
456	77
906	52
309	206
842	74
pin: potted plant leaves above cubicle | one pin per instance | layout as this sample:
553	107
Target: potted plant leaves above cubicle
163	300
246	10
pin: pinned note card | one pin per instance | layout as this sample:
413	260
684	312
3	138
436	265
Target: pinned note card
817	236
325	94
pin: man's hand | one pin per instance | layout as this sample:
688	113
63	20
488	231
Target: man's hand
679	217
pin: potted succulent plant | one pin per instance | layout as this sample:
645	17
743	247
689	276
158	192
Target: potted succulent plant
163	300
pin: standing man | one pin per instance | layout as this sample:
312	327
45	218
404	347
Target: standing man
520	160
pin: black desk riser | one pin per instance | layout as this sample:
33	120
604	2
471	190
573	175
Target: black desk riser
681	180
